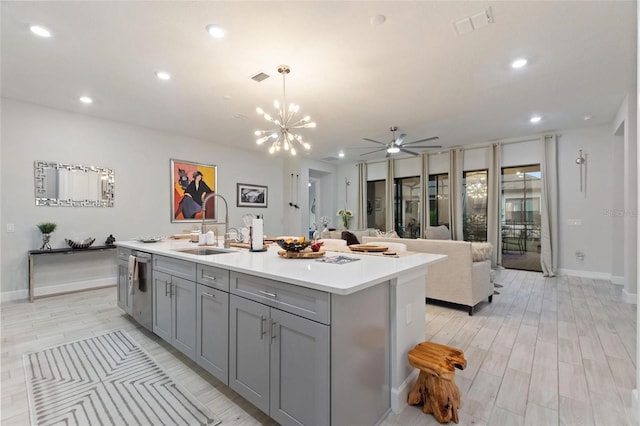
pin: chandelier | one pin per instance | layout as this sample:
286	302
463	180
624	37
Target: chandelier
282	136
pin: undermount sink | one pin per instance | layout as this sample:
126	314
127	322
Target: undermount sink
203	251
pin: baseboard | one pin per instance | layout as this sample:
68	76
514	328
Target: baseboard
629	297
617	279
585	274
400	394
74	286
10	296
635	405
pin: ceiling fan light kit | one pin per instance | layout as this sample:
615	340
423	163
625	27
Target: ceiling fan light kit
397	145
282	135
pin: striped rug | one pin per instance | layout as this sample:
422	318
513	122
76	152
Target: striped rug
106	380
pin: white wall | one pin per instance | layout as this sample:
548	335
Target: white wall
140	158
592	206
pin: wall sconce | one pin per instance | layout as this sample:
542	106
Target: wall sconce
580	162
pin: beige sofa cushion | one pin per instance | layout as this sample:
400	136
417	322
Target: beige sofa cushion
437	233
359	233
481	251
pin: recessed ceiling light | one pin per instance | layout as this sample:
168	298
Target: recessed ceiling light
519	63
163	75
40	31
215	31
85	100
535	119
587	117
341	154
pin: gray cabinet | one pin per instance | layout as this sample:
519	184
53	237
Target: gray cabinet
174	304
279	362
124	298
212	331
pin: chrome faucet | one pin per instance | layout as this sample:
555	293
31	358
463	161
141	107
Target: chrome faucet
227	243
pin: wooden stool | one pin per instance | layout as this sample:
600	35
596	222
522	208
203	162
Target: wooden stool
435	386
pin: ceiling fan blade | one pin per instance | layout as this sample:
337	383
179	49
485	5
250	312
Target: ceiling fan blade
408	152
423	140
371	140
377	150
400	139
426	146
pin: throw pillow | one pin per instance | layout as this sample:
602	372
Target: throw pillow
390	234
437	233
481	251
350	238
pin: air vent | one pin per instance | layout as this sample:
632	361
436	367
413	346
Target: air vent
259	77
470	23
330	159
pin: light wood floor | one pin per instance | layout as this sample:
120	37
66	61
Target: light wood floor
545	352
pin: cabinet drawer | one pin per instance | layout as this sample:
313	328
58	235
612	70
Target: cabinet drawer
305	302
124	253
177	268
213	277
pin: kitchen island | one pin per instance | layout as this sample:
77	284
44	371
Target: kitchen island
307	342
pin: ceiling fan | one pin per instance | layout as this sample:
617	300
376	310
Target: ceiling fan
398	145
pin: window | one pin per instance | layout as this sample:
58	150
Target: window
439	199
407	206
474	205
376	202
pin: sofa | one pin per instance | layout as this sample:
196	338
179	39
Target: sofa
359	233
458	279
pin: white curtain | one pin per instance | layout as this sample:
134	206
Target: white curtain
549	206
361	220
389	196
424	197
494	234
456	166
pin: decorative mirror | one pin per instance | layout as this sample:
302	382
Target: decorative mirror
69	185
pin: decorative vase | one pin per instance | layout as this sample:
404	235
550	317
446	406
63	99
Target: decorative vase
46	239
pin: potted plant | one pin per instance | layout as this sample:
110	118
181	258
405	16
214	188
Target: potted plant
46	228
346	217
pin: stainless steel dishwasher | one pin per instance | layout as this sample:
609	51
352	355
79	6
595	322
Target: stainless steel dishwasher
141	297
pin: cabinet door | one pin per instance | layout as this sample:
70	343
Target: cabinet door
212	332
249	342
124	298
299	370
183	329
162	305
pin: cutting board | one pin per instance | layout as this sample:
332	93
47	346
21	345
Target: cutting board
367	248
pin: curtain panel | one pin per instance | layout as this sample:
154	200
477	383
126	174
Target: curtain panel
361	220
549	206
389	196
424	196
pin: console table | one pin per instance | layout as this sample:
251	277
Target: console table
65	251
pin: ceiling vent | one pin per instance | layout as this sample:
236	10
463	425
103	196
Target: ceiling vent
470	23
260	76
330	159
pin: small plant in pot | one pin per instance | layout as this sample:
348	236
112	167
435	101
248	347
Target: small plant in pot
46	228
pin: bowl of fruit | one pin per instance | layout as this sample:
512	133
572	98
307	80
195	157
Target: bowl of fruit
294	244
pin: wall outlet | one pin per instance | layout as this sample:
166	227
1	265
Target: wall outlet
580	255
409	314
575	222
11	227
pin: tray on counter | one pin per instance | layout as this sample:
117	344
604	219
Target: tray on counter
300	254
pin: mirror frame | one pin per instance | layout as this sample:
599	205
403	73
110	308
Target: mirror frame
40	181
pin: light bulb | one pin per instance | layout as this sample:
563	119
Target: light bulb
307	146
393	149
293	151
271	150
274	136
276	104
259	110
267	117
262	140
40	31
258	132
310	125
307	118
290	136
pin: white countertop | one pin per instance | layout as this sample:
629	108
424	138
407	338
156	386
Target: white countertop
333	278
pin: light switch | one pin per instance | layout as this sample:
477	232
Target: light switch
11	227
409	314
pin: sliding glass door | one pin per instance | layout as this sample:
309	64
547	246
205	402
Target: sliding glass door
474	205
520	217
407	207
376	202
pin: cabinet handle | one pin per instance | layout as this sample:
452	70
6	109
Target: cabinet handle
166	288
170	290
262	330
273	329
209	295
209	277
266	293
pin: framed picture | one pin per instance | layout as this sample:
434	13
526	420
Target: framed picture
251	195
190	184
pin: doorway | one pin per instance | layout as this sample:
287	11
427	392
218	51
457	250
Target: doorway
520	217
